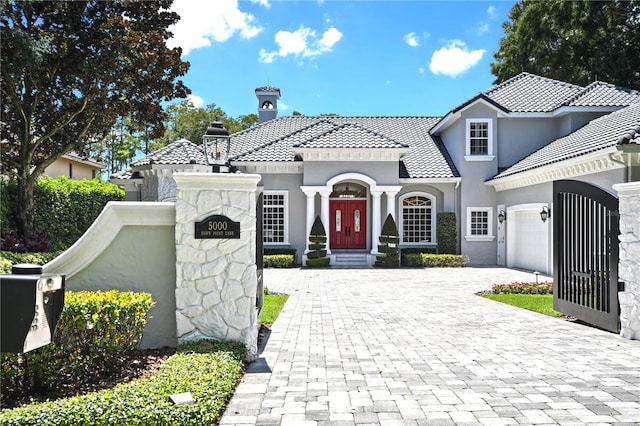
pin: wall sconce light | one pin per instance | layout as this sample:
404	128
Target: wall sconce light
545	213
502	216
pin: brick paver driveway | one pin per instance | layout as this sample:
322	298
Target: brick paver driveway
416	346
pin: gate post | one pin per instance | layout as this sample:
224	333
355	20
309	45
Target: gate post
216	273
629	269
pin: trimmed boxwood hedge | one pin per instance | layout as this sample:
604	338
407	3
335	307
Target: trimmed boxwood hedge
209	370
279	261
96	332
62	207
447	232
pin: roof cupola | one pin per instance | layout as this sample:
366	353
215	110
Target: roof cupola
267	103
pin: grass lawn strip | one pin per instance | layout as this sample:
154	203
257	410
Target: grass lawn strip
209	370
273	304
541	303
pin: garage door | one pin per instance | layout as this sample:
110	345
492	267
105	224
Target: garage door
527	240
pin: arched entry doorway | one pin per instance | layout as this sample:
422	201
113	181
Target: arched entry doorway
348	216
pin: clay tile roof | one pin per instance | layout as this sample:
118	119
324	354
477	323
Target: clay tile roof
616	128
605	94
532	93
178	152
275	140
350	136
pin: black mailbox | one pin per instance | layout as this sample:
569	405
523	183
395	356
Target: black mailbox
31	305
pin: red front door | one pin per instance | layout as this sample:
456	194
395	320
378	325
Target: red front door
348	224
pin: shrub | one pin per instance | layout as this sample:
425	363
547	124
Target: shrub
447	232
444	260
279	261
209	370
317	255
12	242
35	258
65	208
97	331
388	249
268	251
523	288
412	259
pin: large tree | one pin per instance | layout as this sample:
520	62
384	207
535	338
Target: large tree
69	69
575	41
186	121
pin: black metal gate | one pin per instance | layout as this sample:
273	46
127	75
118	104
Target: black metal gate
585	265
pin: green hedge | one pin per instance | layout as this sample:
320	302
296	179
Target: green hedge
209	370
268	251
279	261
96	332
63	208
8	259
523	288
447	232
444	260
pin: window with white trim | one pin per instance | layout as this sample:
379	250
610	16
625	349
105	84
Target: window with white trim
479	224
417	213
275	221
479	139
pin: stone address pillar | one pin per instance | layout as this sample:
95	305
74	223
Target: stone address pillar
629	262
216	279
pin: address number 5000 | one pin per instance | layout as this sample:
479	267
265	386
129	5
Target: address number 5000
218	226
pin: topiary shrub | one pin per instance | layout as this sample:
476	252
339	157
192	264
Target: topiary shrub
317	255
447	232
388	256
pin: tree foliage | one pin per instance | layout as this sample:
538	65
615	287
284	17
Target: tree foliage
70	69
185	121
574	41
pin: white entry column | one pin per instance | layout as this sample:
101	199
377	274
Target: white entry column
324	214
391	204
311	213
375	220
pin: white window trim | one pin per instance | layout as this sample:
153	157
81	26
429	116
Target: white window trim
286	217
434	216
490	236
489	156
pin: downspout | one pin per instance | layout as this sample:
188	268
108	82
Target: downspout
456	209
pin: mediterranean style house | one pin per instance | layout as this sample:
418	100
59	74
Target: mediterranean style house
74	166
491	161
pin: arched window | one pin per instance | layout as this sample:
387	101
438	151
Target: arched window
267	105
418	218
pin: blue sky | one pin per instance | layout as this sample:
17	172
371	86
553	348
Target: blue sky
368	58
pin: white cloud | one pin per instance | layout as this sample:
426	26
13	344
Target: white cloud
282	106
492	12
421	70
482	28
195	100
303	42
454	59
412	40
264	3
210	21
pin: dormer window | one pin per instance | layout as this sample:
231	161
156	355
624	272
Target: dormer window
479	140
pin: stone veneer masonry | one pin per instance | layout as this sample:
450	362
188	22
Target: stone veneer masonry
216	279
629	266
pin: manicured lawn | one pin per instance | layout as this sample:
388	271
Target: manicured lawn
272	306
541	303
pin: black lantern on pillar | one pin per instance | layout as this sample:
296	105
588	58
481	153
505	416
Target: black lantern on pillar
217	143
545	213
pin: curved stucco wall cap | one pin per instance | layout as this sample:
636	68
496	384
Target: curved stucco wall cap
115	216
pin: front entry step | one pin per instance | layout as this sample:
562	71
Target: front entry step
350	260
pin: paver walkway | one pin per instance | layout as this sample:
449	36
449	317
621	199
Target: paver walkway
416	346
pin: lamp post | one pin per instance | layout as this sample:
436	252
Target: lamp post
217	143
